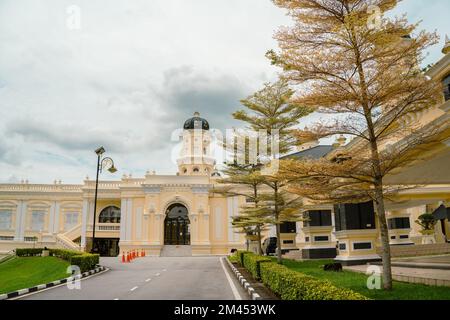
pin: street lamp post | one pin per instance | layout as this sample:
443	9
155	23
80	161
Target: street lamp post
101	164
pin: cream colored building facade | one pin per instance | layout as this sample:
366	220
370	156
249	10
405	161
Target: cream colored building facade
133	213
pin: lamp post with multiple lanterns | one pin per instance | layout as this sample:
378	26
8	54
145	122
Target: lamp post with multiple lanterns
102	163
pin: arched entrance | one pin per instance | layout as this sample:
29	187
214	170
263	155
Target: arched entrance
176	225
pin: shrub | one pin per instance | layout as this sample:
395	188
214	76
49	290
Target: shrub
28	252
241	254
252	264
293	285
233	258
85	261
64	253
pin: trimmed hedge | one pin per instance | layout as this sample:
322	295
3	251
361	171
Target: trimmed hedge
293	285
252	264
29	252
85	261
240	254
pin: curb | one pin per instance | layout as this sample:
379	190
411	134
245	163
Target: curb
244	283
21	292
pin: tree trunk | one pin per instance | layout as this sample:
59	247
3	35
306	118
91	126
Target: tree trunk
277	224
258	228
279	260
258	232
378	177
386	249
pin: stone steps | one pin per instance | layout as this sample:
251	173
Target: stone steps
293	255
176	251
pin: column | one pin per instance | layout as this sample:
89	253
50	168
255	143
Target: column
123	219
138	224
56	228
51	218
129	220
19	212
84	222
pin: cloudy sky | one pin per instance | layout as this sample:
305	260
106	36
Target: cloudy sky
130	75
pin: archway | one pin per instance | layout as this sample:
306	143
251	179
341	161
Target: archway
176	225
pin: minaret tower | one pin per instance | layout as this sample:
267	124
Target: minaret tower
196	155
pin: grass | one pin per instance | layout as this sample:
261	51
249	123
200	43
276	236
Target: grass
357	282
24	272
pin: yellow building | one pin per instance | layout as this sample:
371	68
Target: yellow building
153	213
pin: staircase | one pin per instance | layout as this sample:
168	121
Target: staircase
66	243
176	251
73	233
293	255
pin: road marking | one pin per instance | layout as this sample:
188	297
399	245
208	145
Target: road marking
116	299
236	294
164	270
148	280
158	274
134	288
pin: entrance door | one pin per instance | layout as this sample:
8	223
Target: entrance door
107	247
176	226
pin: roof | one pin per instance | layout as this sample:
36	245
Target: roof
196	123
312	153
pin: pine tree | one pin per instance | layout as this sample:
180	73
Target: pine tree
271	110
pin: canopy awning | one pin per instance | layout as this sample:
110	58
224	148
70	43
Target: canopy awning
442	213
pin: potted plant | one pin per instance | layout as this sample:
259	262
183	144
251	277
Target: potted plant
427	222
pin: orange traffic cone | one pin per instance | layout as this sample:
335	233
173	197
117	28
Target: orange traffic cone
144	253
123	257
128	257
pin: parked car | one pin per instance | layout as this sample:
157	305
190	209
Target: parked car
269	246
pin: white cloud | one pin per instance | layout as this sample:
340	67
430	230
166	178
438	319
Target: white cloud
130	76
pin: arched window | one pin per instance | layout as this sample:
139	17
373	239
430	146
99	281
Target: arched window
110	214
196	170
446	83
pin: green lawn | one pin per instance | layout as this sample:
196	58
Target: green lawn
24	272
357	282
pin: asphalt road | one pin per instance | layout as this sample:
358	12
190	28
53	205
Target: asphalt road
154	278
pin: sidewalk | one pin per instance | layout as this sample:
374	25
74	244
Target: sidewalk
431	277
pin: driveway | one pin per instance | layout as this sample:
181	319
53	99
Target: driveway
154	278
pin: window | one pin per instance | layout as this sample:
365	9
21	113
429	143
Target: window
71	220
249	200
109	215
355	216
399	223
321	238
446	84
5	219
196	170
288	227
362	245
318	218
404	236
342	246
288	241
37	220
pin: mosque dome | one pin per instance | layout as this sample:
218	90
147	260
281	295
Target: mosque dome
196	122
